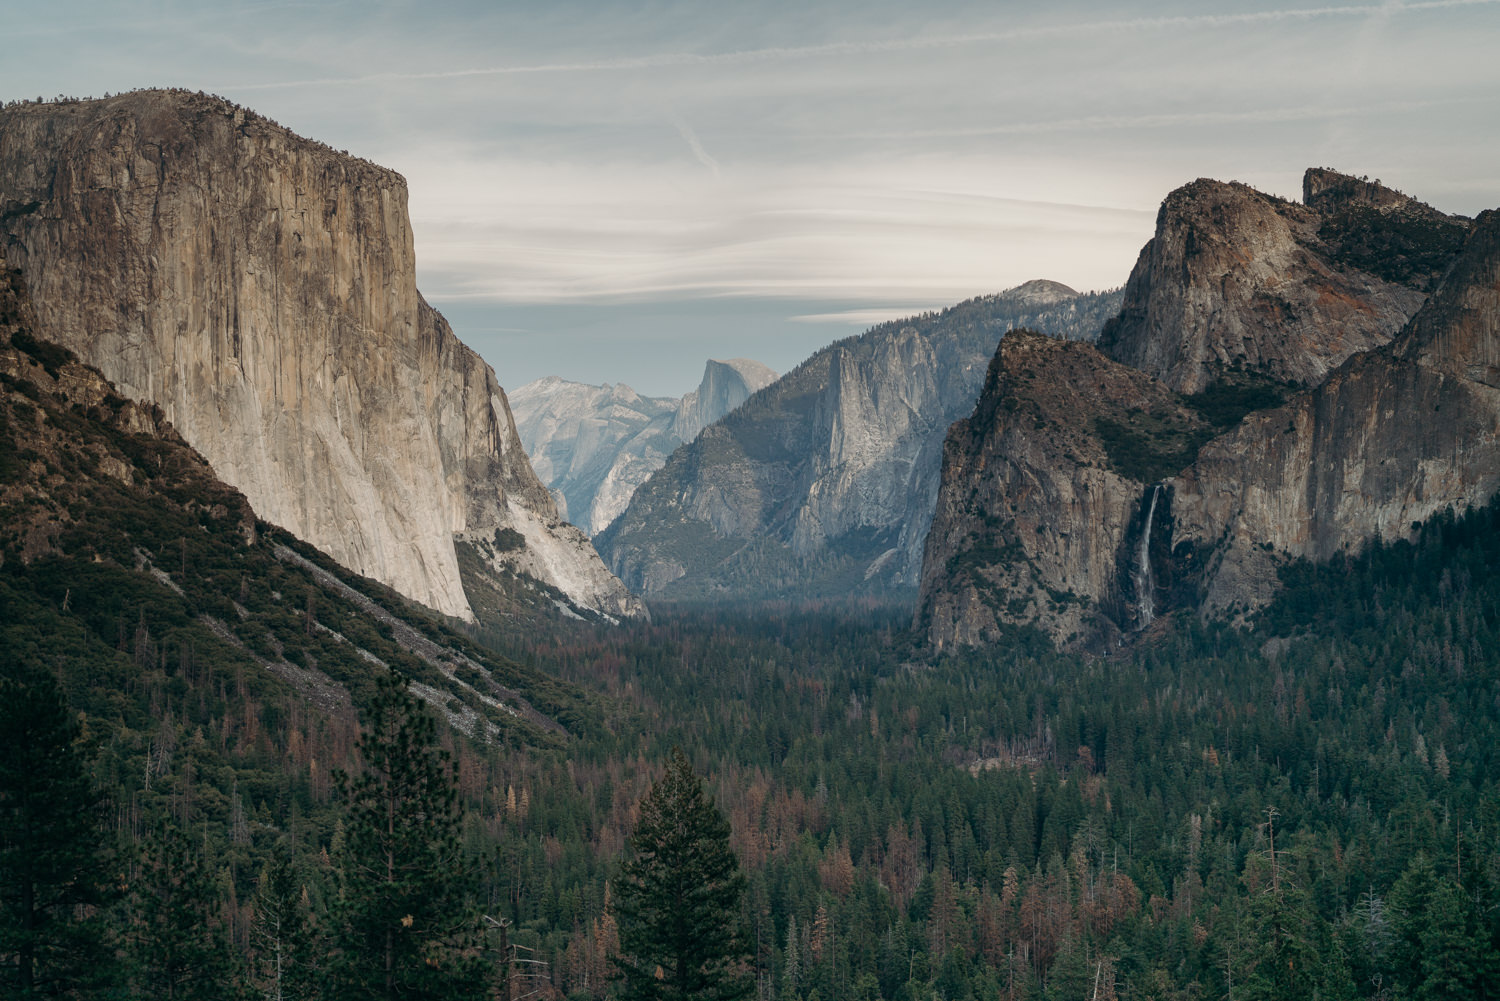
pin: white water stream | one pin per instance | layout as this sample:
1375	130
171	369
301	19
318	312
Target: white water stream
1143	586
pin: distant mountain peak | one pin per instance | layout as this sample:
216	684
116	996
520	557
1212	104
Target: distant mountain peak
593	445
1039	292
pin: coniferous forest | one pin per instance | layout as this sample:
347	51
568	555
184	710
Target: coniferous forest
1301	806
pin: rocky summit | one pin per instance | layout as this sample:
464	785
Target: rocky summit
1040	494
260	287
1093	491
1392	437
593	445
824	483
1235	278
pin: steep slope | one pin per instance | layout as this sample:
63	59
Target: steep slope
128	566
825	482
724	386
1391	438
1040	520
1234	277
593	445
1085	498
261	288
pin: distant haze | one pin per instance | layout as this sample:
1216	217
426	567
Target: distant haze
607	193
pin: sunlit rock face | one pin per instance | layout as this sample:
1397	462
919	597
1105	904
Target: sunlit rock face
1237	278
261	288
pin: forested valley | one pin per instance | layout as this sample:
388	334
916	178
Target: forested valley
1302	807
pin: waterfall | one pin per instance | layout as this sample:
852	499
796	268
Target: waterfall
1143	566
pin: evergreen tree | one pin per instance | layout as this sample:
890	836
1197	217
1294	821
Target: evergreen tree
1455	954
175	943
51	867
678	901
284	943
406	927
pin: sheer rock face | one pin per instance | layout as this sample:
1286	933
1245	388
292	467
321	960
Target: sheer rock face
1035	525
824	483
261	288
1391	438
725	385
1084	497
593	445
1234	277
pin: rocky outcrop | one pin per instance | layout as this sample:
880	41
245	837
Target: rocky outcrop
1047	516
725	385
824	483
1235	278
1085	497
593	445
261	288
1390	439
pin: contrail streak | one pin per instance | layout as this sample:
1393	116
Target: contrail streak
691	138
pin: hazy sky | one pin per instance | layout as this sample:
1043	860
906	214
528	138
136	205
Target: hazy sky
615	192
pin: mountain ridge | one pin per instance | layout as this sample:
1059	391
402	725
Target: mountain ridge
823	483
1214	491
593	445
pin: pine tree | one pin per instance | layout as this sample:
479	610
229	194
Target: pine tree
51	867
678	901
1455	953
284	944
175	943
792	975
405	926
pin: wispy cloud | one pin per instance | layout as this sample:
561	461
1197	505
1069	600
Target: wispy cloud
866	317
664	60
691	138
1253	116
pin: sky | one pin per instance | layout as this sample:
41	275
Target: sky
613	192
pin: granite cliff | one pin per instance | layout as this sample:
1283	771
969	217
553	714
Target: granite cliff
1237	278
260	288
122	552
1040	515
824	483
593	445
1089	492
1391	438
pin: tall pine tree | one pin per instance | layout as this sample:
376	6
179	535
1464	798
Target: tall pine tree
405	926
678	899
285	944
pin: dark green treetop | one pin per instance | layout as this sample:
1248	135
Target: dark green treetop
678	899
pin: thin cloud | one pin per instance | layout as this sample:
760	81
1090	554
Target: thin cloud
1173	120
691	138
667	60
